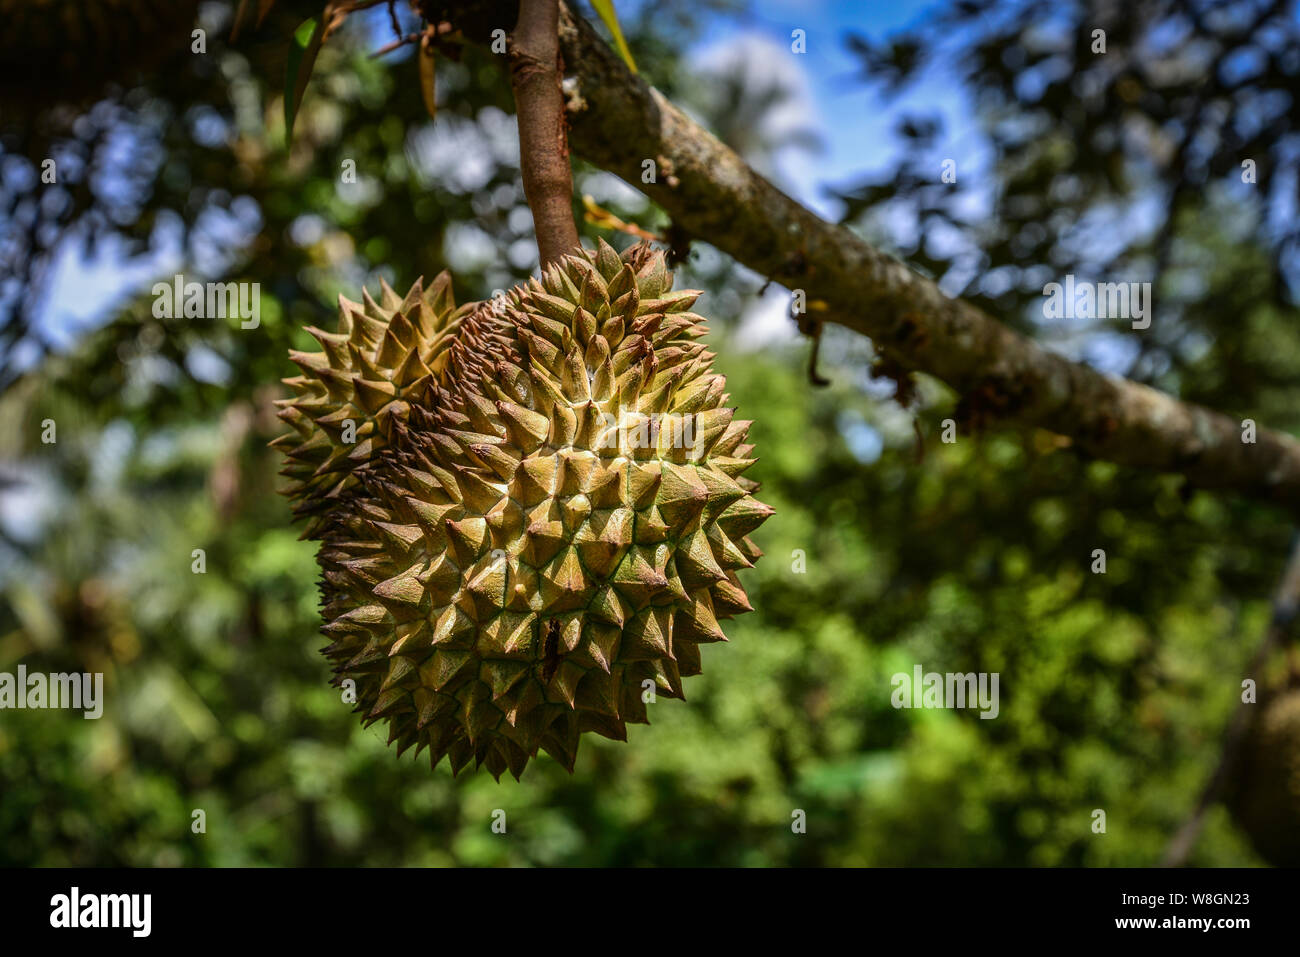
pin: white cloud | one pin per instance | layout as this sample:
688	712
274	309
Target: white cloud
760	64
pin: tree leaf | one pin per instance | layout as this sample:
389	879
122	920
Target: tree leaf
302	56
428	75
606	10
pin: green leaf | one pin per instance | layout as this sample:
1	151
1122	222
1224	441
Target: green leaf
606	10
302	56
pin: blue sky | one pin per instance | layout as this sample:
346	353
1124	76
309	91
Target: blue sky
854	124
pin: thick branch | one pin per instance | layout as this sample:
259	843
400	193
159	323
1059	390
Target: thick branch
619	123
535	71
1286	601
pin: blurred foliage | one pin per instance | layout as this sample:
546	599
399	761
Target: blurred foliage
1112	135
971	556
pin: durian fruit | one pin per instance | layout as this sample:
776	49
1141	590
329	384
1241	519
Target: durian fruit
347	395
553	530
1265	798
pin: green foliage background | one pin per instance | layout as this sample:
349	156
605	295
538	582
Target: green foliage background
972	556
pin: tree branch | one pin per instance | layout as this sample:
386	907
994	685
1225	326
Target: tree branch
1286	602
619	122
535	71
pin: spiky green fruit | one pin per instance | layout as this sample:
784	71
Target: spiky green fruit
553	527
348	394
1265	795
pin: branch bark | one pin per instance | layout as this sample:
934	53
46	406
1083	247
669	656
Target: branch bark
619	122
1286	603
535	72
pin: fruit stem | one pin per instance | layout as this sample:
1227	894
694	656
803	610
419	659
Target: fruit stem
535	72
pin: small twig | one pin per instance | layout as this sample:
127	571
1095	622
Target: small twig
535	72
239	19
1286	601
598	215
400	42
814	377
392	16
811	326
